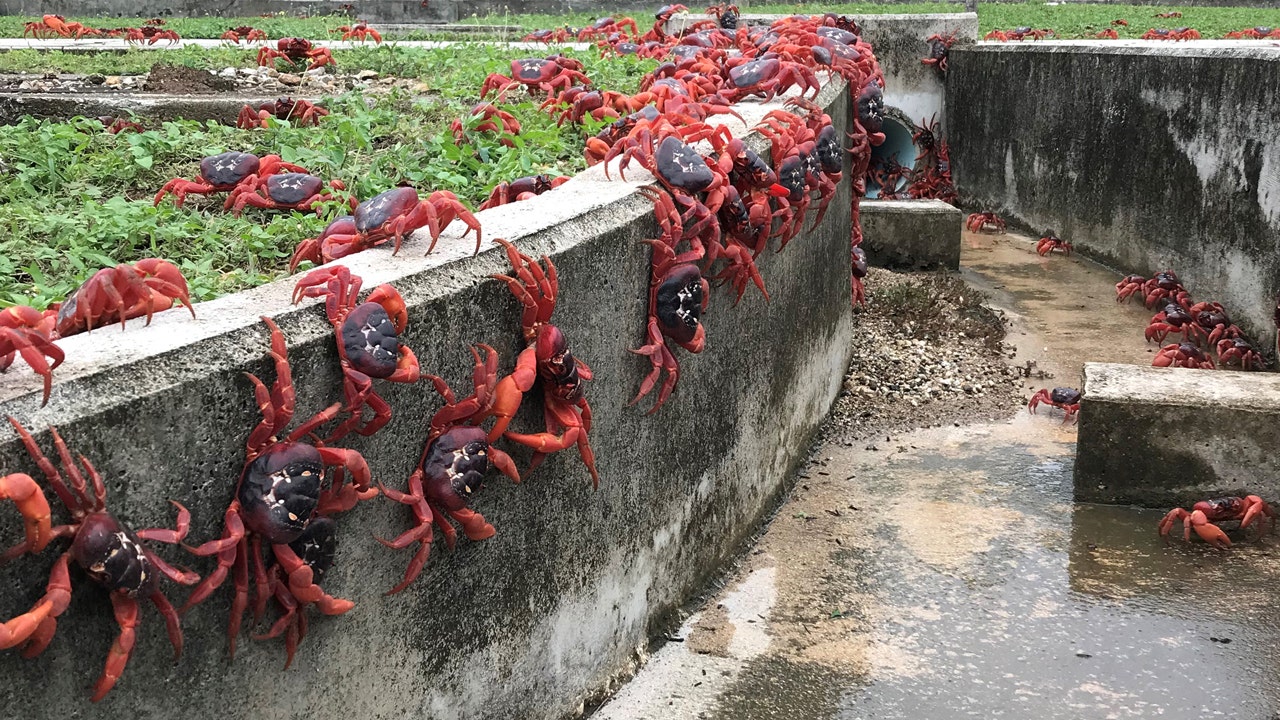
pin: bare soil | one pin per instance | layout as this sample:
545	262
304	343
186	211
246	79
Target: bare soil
180	80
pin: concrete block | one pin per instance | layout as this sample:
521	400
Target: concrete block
1161	437
223	108
1153	176
532	623
912	234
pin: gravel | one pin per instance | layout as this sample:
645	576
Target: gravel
259	80
927	351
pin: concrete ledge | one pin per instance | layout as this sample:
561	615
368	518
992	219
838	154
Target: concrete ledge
912	234
1162	437
530	624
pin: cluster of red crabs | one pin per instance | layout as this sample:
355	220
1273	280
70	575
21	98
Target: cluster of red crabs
151	32
716	214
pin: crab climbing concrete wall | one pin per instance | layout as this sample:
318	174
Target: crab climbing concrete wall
533	623
1146	155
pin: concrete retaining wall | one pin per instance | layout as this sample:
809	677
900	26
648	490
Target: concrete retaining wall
1146	155
529	624
224	108
913	234
1163	437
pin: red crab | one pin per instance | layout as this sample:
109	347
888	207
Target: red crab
246	33
223	172
279	493
338	239
300	112
606	26
1120	23
398	212
1185	355
455	460
1051	242
1239	351
938	46
108	551
550	75
296	50
1068	399
1165	286
368	337
766	77
1254	33
1172	319
1018	34
1130	286
283	191
1108	34
360	32
50	25
1205	513
678	295
546	357
121	293
984	221
150	35
30	333
1212	323
1183	33
115	125
859	257
1168	15
522	189
484	117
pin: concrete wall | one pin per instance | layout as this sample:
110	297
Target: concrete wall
911	234
1163	437
529	624
1145	155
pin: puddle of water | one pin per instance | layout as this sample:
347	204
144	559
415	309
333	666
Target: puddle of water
1063	307
1056	612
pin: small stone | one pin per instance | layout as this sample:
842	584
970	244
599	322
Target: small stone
366	75
227	72
113	81
289	79
95	79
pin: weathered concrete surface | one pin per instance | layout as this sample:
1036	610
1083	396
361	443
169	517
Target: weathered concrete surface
911	233
1158	156
97	45
529	624
223	108
1161	437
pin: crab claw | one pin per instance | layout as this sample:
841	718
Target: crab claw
390	300
1207	531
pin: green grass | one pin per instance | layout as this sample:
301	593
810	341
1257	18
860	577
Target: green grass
75	199
201	27
1076	21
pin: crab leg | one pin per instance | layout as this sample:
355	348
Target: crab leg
31	502
126	612
58	593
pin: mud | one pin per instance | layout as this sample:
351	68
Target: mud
947	573
181	80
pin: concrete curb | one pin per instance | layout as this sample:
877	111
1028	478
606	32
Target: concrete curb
531	623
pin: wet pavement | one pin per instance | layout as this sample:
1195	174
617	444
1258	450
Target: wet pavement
946	573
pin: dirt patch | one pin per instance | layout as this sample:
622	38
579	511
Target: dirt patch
180	80
927	351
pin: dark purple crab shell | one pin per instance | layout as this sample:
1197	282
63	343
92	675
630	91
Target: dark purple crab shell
830	154
844	37
859	262
844	52
1210	319
871	108
1262	30
280	491
369	340
729	19
792	177
1168	281
1065	395
753	169
113	556
225	170
678	302
682	167
293	188
686	51
1021	30
751	74
821	55
602	23
384	207
317	546
626	48
455	467
1175	315
677	87
702	39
